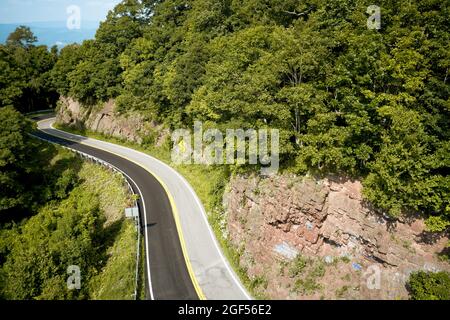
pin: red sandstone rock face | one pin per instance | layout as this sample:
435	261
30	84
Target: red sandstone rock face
276	216
131	127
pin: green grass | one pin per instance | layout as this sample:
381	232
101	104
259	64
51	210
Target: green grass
141	280
306	285
110	188
342	291
306	272
208	183
204	179
117	278
298	265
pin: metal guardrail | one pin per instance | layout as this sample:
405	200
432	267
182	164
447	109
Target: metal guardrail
130	189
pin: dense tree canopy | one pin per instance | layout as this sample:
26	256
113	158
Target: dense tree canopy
27	179
372	104
429	285
51	217
347	99
15	158
25	73
22	36
57	237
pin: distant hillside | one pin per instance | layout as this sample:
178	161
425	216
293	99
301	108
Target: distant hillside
53	32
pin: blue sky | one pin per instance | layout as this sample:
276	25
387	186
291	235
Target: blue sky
23	11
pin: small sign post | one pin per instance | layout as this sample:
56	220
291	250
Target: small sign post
132	212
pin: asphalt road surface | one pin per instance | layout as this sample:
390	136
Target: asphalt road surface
183	259
169	276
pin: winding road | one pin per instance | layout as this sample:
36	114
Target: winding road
182	257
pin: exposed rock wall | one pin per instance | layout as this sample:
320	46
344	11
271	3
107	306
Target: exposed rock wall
279	219
274	219
132	126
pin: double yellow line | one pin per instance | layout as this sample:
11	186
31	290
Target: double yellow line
175	212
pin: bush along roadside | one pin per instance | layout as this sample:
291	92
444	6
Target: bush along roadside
77	245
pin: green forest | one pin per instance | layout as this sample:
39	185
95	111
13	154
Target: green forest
372	104
55	211
348	100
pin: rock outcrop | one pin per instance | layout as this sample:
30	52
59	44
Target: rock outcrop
351	251
131	126
276	218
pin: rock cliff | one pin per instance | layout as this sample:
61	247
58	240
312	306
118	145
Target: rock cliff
277	220
131	126
300	237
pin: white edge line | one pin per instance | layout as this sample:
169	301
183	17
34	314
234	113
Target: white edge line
202	209
152	296
143	204
211	234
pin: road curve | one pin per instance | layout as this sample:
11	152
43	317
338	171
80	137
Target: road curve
166	274
184	258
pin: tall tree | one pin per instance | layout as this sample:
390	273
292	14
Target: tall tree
22	36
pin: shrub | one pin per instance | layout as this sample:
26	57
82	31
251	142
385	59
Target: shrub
298	265
429	285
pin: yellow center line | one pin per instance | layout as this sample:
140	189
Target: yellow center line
175	212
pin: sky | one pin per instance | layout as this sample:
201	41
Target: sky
26	11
